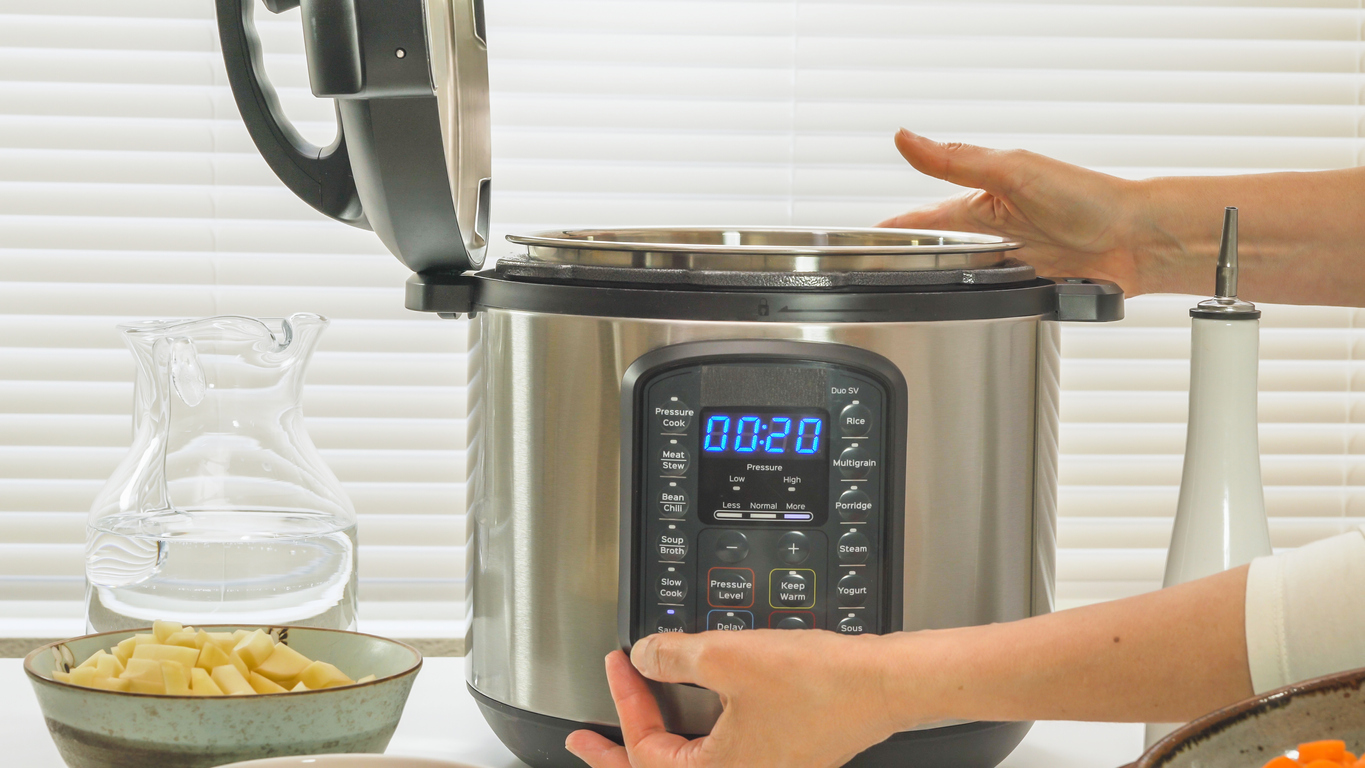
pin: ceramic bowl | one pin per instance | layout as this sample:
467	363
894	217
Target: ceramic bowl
1248	734
111	729
349	761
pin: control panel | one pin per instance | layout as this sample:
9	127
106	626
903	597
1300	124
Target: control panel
762	491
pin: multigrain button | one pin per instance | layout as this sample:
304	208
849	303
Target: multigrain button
731	547
792	589
674	459
853	506
673	502
729	621
853	625
854	463
793	547
853	547
673	416
669	622
852	591
730	587
855	421
672	587
671	546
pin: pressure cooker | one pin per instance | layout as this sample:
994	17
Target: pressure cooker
691	429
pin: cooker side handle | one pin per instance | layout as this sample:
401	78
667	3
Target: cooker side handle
1084	300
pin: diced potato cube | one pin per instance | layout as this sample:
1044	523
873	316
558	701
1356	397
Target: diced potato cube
320	674
109	666
238	634
202	685
212	656
264	685
255	648
60	676
298	687
231	681
236	660
284	664
124	650
84	676
367	679
183	639
93	660
164	629
223	640
113	684
186	656
176	677
142	669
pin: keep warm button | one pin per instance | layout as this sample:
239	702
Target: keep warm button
730	587
791	588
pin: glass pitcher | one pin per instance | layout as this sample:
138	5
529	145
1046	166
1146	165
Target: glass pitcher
223	512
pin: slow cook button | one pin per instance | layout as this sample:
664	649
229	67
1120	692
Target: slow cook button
673	502
792	589
855	463
674	460
853	506
673	416
672	547
853	548
729	621
730	587
672	587
852	625
852	591
855	421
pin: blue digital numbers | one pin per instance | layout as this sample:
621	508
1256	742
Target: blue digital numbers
766	434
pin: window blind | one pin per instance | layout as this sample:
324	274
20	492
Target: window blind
129	189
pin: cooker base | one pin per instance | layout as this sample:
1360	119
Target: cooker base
538	741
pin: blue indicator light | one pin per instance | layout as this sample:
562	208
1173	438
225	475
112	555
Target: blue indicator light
741	446
777	441
717	434
670	611
770	432
809	428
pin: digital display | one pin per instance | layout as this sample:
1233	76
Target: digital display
771	434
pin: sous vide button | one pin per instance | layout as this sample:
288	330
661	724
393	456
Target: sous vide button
853	625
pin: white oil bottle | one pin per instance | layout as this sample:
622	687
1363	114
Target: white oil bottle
1220	520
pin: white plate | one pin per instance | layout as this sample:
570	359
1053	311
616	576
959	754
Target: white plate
348	761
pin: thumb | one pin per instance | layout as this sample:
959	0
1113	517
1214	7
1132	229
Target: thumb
670	657
966	165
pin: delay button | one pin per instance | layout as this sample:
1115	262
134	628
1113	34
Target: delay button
729	621
855	421
854	463
730	587
852	591
853	547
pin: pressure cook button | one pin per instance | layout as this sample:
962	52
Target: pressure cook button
793	547
731	547
853	625
729	621
673	416
853	548
793	589
855	421
670	622
672	587
674	460
852	591
672	546
730	587
854	463
793	622
853	506
673	502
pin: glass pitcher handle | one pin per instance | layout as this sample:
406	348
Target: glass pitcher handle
187	376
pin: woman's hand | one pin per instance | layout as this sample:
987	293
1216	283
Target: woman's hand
791	698
1073	222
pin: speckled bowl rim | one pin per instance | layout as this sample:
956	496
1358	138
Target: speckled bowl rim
1222	719
411	670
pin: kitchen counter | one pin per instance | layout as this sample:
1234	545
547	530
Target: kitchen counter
442	721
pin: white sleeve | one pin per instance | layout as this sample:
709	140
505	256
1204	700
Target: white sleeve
1305	612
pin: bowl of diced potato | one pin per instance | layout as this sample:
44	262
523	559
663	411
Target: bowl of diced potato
194	697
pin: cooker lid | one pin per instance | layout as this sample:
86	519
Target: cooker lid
769	249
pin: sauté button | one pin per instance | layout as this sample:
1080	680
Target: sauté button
852	590
729	621
669	622
673	415
793	622
793	547
854	463
730	587
672	587
672	546
853	625
855	421
853	548
853	506
731	547
673	502
675	459
793	589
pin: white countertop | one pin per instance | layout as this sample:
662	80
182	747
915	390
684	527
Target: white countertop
442	721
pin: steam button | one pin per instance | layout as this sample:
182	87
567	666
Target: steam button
855	421
672	587
853	506
673	502
852	591
673	416
853	547
675	459
855	463
671	546
732	547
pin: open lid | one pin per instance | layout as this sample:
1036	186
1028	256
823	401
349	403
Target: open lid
411	160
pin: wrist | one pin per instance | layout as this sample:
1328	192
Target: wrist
914	678
1166	241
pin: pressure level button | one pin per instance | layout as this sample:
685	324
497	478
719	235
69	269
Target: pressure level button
674	459
673	416
730	587
852	591
853	506
855	421
673	502
855	463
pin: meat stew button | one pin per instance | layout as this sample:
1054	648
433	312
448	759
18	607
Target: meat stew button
853	547
730	587
852	591
674	460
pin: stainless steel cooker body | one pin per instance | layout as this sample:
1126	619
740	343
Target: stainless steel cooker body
544	492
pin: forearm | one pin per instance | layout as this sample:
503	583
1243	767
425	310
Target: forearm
1301	235
1167	656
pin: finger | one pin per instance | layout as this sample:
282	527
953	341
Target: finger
962	164
597	750
955	213
673	657
642	725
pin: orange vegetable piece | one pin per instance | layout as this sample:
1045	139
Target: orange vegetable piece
1284	762
1349	760
1331	750
1360	763
1323	764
